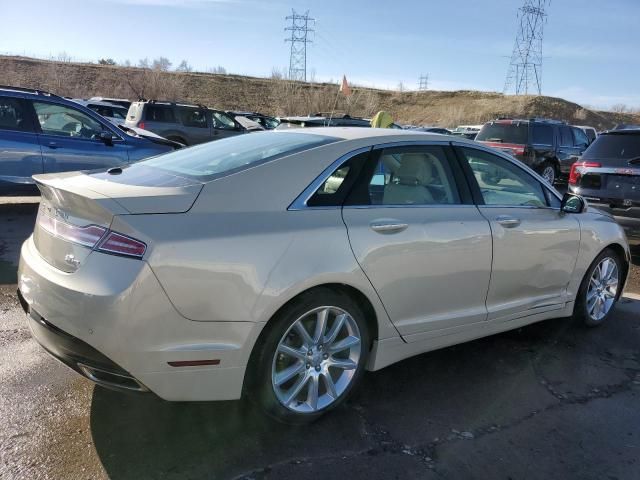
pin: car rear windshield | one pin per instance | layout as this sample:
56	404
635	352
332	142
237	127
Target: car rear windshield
616	146
213	159
504	133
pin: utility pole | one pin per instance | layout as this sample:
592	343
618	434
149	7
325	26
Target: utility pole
424	82
525	68
299	38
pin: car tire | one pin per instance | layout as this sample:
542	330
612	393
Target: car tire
548	172
600	289
313	362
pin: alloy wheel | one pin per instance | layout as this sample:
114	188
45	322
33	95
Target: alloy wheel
603	288
316	359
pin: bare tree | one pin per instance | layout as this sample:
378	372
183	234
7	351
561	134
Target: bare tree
162	64
219	70
619	108
144	63
184	67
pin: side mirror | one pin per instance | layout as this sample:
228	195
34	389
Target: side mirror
106	138
572	203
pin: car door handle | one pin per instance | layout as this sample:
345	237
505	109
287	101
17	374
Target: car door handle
52	145
507	221
388	226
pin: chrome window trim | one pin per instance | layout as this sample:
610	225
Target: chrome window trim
430	205
516	163
415	143
300	203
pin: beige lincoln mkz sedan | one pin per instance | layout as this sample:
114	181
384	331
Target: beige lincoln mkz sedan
284	264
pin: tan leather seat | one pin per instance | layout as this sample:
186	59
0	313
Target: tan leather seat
409	184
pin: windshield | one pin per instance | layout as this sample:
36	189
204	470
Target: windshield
504	133
618	146
207	161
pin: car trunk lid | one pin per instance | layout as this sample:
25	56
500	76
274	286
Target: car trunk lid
77	209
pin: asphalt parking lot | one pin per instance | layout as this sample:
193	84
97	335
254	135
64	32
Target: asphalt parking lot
553	400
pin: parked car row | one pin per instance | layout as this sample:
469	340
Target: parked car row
43	133
548	146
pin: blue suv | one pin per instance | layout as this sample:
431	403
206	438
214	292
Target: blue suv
43	133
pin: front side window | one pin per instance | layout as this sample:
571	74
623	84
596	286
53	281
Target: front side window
220	120
419	175
12	115
580	136
65	121
503	183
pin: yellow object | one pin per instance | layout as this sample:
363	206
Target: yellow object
382	119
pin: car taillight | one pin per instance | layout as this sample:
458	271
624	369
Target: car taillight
93	236
119	244
141	125
577	170
88	236
519	150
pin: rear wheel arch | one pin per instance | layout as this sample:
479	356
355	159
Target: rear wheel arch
353	293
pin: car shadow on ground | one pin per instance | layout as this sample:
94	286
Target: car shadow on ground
469	389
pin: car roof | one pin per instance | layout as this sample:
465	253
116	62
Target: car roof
356	133
82	101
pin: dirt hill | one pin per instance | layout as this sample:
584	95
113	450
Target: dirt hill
281	97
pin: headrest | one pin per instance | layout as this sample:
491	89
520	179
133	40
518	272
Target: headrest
414	170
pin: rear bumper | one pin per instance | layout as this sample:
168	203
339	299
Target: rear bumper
78	355
112	322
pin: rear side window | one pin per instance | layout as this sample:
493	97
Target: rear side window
159	113
193	118
13	115
213	159
418	175
507	132
566	138
615	146
542	134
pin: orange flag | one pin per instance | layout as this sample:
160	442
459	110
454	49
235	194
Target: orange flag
344	88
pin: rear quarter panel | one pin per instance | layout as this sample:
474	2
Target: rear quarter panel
240	255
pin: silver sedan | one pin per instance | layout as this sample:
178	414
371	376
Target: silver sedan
282	265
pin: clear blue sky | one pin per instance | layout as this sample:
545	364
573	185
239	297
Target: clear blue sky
590	47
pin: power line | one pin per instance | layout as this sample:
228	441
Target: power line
299	38
424	82
525	68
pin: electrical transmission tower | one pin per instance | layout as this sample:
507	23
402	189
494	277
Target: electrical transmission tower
424	82
299	38
525	69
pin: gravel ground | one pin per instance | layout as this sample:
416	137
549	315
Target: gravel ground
552	400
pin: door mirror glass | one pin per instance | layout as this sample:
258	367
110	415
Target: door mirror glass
572	203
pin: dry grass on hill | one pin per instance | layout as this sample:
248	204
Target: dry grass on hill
281	97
